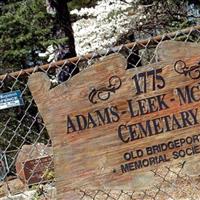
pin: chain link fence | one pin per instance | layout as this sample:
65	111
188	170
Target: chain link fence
26	168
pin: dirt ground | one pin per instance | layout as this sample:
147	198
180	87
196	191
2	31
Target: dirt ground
166	183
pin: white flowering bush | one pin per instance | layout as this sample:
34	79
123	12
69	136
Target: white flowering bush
50	53
102	25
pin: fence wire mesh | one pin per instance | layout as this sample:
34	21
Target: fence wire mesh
22	130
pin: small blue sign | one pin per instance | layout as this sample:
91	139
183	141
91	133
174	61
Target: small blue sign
11	99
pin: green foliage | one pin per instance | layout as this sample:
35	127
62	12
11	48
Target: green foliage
170	15
39	194
49	174
25	30
77	4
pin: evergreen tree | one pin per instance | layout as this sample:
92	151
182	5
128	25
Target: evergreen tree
26	29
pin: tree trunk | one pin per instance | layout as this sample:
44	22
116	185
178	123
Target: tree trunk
63	26
64	22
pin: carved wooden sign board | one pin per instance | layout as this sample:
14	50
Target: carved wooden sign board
108	123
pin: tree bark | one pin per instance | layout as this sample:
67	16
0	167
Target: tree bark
64	22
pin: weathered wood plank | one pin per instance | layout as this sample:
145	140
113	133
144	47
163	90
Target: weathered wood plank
106	127
173	50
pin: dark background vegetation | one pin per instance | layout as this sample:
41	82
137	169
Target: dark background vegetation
26	29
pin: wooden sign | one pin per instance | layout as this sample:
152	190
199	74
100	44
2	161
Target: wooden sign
175	50
108	124
171	50
34	170
33	163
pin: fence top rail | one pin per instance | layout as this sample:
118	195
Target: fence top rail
137	44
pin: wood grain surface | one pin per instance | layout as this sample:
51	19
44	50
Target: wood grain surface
175	50
170	50
108	124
